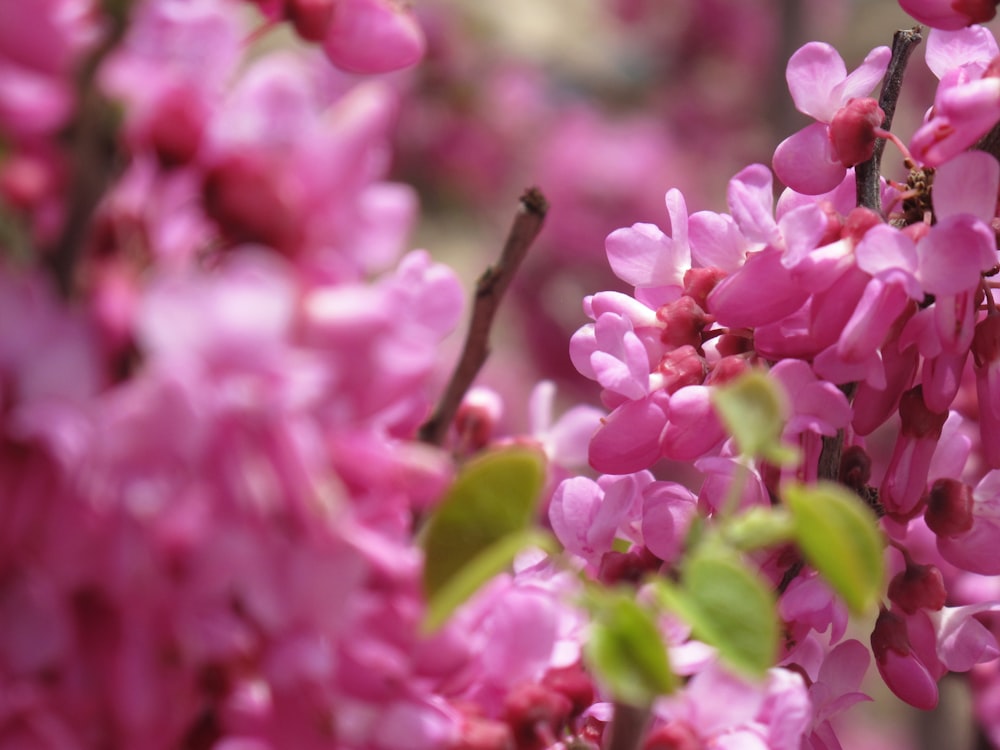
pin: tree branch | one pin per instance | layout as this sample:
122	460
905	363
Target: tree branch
627	727
92	155
867	173
489	292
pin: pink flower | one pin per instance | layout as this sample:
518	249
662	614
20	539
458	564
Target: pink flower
814	160
967	101
972	548
950	14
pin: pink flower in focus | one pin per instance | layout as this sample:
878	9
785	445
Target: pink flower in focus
810	161
967	101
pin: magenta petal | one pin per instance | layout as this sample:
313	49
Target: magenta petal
967	184
642	255
751	201
572	510
806	161
373	36
976	550
716	241
954	253
909	679
761	292
947	50
813	72
938	14
865	77
693	428
667	510
629	439
963	641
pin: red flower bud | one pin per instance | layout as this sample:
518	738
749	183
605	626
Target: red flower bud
949	508
918	587
852	130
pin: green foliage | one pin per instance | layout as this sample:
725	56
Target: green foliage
625	649
839	536
480	525
759	528
754	409
728	606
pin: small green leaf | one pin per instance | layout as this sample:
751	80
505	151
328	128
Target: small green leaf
754	408
839	536
626	650
489	563
729	607
759	528
494	496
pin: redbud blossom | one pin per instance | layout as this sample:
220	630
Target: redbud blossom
986	353
903	672
810	161
906	476
918	587
852	130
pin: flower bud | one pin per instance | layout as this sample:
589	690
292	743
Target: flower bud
698	282
852	130
676	735
680	367
899	666
683	321
855	468
311	18
949	508
530	707
918	587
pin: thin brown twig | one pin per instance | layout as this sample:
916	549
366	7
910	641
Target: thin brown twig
92	159
867	173
489	292
627	726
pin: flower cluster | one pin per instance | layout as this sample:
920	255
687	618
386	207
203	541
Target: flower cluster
866	316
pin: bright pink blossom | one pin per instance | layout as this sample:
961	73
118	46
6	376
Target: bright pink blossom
813	160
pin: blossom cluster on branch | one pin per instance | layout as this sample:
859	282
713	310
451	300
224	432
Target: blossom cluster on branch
231	517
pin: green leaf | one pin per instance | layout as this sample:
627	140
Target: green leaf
626	651
489	563
494	496
729	607
839	536
754	408
759	528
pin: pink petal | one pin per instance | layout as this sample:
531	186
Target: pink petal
751	201
693	428
761	292
373	36
642	255
947	50
813	72
571	511
967	184
629	439
954	253
864	78
806	161
716	241
909	679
